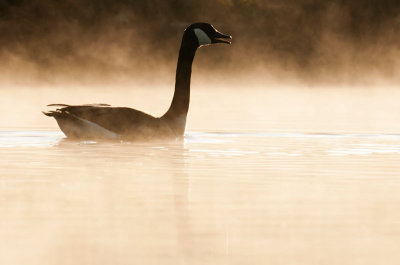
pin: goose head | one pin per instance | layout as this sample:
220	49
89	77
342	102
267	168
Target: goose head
205	34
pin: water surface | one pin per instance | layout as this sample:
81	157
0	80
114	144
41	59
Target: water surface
215	198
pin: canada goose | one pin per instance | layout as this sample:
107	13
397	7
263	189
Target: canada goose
106	122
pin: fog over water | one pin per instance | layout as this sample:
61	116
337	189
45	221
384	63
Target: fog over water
291	150
125	53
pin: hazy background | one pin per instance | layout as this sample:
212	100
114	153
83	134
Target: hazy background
304	65
310	41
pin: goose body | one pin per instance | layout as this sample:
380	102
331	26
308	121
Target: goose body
102	121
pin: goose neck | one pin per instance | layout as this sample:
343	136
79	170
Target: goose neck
176	114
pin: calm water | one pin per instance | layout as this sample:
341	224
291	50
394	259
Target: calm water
216	198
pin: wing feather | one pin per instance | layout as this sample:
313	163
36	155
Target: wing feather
120	120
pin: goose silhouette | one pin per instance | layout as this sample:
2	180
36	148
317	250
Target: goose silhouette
102	121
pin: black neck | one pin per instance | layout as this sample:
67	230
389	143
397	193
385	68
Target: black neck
177	112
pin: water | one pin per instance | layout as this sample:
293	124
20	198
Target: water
215	198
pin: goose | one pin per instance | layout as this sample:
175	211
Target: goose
102	121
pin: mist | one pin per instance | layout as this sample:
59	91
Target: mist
116	42
290	152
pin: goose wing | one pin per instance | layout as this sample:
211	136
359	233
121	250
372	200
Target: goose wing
119	120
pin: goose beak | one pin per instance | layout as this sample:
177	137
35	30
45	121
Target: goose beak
221	38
